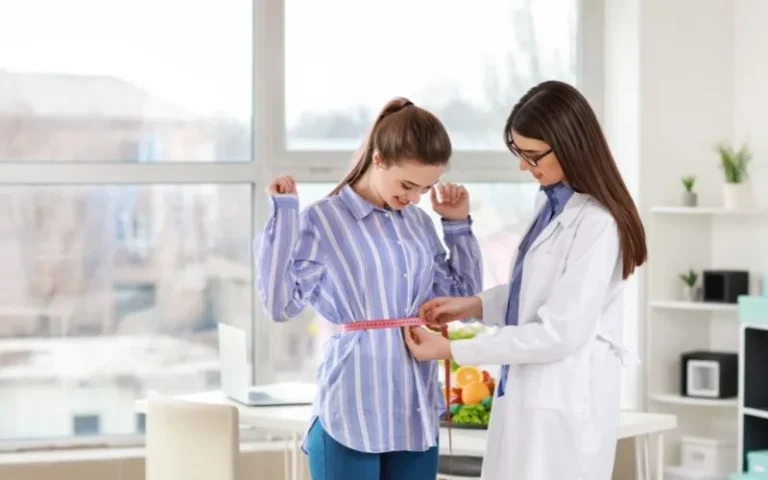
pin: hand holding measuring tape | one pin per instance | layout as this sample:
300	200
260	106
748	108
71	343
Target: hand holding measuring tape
436	313
442	310
425	345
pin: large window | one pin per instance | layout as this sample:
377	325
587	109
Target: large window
469	64
92	318
126	207
112	81
136	140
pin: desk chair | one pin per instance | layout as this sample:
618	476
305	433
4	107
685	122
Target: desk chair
191	441
459	467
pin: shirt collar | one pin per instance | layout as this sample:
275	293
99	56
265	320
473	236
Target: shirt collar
557	196
358	206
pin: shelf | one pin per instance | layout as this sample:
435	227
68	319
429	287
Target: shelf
756	412
701	402
701	306
674	210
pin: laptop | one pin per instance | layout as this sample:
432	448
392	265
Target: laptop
236	376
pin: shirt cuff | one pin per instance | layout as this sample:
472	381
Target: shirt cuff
457	227
463	351
283	201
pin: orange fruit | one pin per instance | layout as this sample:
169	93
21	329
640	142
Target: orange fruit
468	374
474	393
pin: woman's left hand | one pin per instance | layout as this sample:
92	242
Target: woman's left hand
453	203
425	345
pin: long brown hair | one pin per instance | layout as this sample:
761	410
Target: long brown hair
557	114
401	130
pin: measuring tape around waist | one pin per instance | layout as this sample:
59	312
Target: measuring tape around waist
411	322
379	324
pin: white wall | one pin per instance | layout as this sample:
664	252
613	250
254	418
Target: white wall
669	97
750	67
621	121
750	118
681	76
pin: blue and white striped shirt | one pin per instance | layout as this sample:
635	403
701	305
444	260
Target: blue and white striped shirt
351	261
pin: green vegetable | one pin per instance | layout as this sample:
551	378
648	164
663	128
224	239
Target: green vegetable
455	408
487	401
464	332
472	414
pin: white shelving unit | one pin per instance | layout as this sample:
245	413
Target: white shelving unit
693	306
701	402
698	238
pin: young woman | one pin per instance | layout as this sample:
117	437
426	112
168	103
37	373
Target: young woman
556	409
367	252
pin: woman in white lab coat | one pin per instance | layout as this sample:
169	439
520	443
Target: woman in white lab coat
556	406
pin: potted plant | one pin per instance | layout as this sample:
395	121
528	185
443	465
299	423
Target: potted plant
737	192
689	290
690	199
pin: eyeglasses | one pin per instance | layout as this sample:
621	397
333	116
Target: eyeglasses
530	160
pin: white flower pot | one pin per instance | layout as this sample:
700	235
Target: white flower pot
690	199
737	195
690	294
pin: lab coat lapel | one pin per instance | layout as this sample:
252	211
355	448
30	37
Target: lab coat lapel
569	213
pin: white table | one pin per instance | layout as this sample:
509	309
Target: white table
295	420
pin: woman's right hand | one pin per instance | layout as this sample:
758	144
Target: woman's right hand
442	310
284	184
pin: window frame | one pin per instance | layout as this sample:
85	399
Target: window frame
269	157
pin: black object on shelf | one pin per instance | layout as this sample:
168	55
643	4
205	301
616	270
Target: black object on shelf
724	286
708	374
755	366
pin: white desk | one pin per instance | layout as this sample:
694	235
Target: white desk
295	420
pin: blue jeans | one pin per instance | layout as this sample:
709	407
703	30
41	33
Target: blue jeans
330	460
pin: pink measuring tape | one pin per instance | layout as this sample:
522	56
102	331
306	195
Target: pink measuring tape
410	322
378	324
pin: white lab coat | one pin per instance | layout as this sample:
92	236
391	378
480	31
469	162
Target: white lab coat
558	419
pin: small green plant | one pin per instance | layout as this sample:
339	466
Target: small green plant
734	162
689	278
688	182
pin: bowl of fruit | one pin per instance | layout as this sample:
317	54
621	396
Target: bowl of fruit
471	397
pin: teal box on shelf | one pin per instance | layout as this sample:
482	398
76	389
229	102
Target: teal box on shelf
753	309
757	462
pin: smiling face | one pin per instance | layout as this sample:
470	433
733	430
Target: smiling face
403	182
537	158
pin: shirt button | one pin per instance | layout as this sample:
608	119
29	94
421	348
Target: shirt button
405	275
